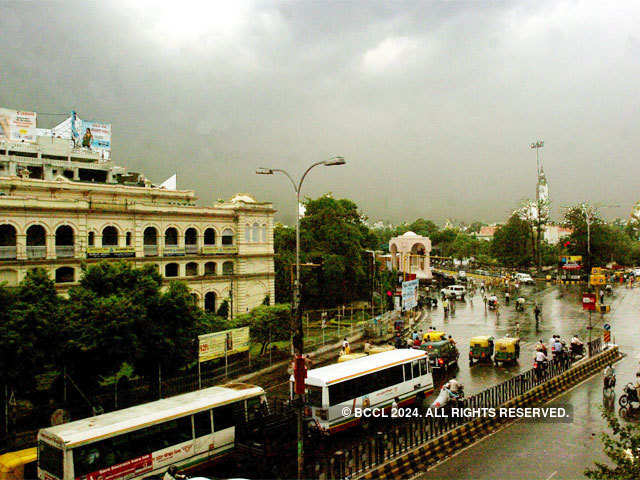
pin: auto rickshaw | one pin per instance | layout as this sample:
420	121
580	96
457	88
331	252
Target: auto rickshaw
442	353
480	349
434	336
507	350
19	465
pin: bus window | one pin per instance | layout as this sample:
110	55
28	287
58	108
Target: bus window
314	395
202	423
416	368
225	416
50	459
407	372
424	366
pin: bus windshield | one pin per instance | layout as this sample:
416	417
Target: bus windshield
314	395
50	459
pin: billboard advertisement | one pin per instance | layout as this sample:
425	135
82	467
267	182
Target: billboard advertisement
17	126
220	344
95	136
409	294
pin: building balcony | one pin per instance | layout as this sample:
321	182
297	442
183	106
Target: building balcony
191	249
151	250
37	251
65	251
220	250
8	253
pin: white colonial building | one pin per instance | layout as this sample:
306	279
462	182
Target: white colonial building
63	206
411	253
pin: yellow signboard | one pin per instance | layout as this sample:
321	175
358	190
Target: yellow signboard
223	250
597	280
110	252
598	271
219	344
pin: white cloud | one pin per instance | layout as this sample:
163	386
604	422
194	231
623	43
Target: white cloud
391	52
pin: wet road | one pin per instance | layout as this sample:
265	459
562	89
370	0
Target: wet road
548	451
561	314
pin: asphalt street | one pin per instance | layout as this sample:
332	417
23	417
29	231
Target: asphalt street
540	450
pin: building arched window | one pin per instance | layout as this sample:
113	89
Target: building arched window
263	233
210	268
65	274
209	236
210	302
110	237
171	237
91	240
227	236
247	233
227	268
128	239
64	241
255	233
150	242
191	269
36	242
171	270
191	240
8	242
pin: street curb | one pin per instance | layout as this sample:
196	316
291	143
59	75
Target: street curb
428	455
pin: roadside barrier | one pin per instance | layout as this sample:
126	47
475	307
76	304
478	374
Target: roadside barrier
413	447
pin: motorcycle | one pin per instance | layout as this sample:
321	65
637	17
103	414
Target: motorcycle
629	396
577	351
628	401
540	367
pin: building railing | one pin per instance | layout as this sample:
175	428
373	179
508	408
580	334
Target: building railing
191	249
8	253
39	251
65	251
151	250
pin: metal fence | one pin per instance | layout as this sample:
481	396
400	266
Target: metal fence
398	439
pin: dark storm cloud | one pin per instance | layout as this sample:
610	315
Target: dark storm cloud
432	104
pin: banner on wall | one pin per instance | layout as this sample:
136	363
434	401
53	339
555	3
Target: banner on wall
95	136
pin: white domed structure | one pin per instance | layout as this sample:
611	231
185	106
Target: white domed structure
410	253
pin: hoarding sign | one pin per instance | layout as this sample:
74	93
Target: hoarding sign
17	126
220	344
598	280
111	252
409	294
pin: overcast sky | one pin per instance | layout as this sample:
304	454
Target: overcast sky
432	104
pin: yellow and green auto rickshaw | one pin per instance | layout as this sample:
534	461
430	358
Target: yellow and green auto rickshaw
507	350
480	349
19	465
434	336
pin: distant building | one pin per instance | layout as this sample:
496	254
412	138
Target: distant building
410	253
554	233
487	232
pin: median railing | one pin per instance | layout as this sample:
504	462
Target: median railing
382	447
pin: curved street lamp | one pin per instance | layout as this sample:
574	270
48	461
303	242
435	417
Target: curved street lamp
298	342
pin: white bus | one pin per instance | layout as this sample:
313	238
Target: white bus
137	442
372	381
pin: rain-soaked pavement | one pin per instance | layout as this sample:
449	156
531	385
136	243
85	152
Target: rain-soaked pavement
544	451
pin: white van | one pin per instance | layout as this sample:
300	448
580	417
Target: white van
524	278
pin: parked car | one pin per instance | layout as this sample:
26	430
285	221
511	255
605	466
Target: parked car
457	291
524	278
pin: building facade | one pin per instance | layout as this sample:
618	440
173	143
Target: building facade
62	207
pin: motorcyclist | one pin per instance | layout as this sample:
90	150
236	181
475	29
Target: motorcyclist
172	474
455	388
540	362
576	346
541	347
520	304
557	349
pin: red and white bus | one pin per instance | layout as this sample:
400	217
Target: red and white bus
137	442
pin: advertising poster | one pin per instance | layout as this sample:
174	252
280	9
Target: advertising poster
226	342
17	126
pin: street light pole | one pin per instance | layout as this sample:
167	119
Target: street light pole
538	145
298	339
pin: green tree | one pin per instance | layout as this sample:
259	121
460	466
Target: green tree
267	324
510	244
622	448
